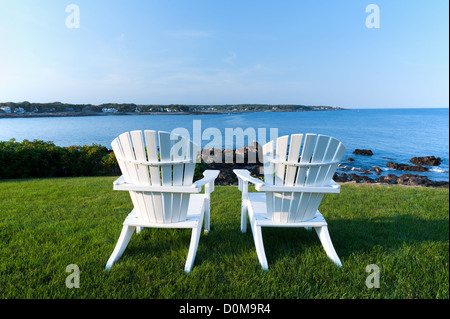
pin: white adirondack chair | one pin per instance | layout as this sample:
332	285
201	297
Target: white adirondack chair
293	188
161	189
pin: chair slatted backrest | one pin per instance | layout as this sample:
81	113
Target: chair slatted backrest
308	164
137	156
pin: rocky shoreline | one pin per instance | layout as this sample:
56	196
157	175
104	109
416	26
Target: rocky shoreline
247	158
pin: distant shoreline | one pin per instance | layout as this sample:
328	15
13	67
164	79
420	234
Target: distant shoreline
81	114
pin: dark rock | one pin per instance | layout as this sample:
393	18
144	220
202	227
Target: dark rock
405	167
363	152
341	178
388	179
247	158
360	179
227	160
350	159
377	170
426	160
411	180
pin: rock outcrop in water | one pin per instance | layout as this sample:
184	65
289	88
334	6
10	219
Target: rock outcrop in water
391	179
247	158
405	167
363	152
426	160
227	160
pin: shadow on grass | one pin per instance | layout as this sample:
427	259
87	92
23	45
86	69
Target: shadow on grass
221	243
356	235
348	236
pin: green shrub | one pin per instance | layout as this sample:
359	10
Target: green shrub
44	159
37	158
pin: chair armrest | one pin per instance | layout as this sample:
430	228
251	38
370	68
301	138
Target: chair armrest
332	187
121	185
245	176
119	181
334	184
208	176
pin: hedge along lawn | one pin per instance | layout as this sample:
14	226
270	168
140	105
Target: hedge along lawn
48	224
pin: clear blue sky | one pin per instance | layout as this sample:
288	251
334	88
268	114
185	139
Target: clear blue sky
226	52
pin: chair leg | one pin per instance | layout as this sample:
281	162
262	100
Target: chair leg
206	226
124	239
244	205
195	238
257	236
325	239
243	216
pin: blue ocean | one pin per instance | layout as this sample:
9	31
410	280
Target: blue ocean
394	135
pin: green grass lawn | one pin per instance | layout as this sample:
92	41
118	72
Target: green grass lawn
48	224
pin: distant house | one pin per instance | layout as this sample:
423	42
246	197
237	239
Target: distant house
109	110
5	109
19	110
137	109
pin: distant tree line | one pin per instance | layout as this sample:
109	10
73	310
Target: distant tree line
58	107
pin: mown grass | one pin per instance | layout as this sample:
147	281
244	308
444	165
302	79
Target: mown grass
48	224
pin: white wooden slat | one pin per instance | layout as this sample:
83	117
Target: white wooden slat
317	157
307	150
128	152
268	166
293	156
185	198
177	154
268	153
297	211
294	152
117	149
328	157
155	179
139	151
269	204
281	150
164	152
192	153
152	153
166	172
294	206
279	198
143	174
337	158
313	205
309	199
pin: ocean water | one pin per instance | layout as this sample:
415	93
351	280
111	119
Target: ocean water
392	134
